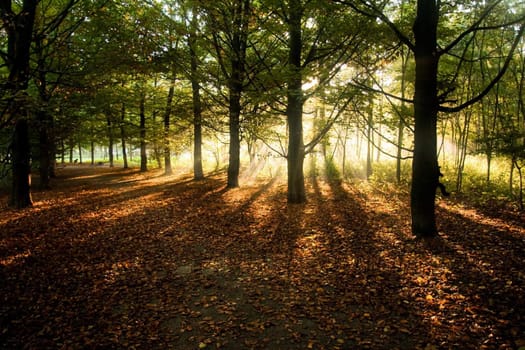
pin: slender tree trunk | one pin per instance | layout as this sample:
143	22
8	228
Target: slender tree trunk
463	131
79	152
400	137
44	149
379	132
143	154
71	149
401	122
345	139
369	139
198	173
62	152
519	196
425	171
167	113
123	135
92	151
110	146
294	108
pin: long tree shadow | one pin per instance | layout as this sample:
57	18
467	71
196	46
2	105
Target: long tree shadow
53	271
192	265
484	285
368	272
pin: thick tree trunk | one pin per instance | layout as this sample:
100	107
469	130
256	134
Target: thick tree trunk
238	47
21	189
294	109
234	162
425	171
143	154
198	173
19	29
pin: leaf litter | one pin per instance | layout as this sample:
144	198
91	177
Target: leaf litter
120	259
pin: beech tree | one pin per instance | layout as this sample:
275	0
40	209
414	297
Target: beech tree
320	39
432	93
229	31
18	23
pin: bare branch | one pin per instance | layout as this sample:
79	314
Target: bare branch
472	28
494	81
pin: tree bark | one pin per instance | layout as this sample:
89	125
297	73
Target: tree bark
238	48
294	108
425	171
45	148
143	154
123	135
79	152
92	151
167	114
110	146
234	162
21	190
401	122
369	139
19	30
198	173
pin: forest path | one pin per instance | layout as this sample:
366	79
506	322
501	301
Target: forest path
119	259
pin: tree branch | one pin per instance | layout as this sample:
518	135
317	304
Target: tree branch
493	82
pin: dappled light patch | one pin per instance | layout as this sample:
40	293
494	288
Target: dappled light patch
496	223
15	258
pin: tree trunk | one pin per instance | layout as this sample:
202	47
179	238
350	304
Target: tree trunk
71	149
167	113
143	154
62	152
401	122
123	135
369	139
237	61
425	171
462	143
234	162
294	108
198	173
19	29
44	149
92	151
21	190
110	146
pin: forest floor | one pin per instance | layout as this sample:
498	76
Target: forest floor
117	259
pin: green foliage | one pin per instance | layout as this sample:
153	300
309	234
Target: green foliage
331	170
385	171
